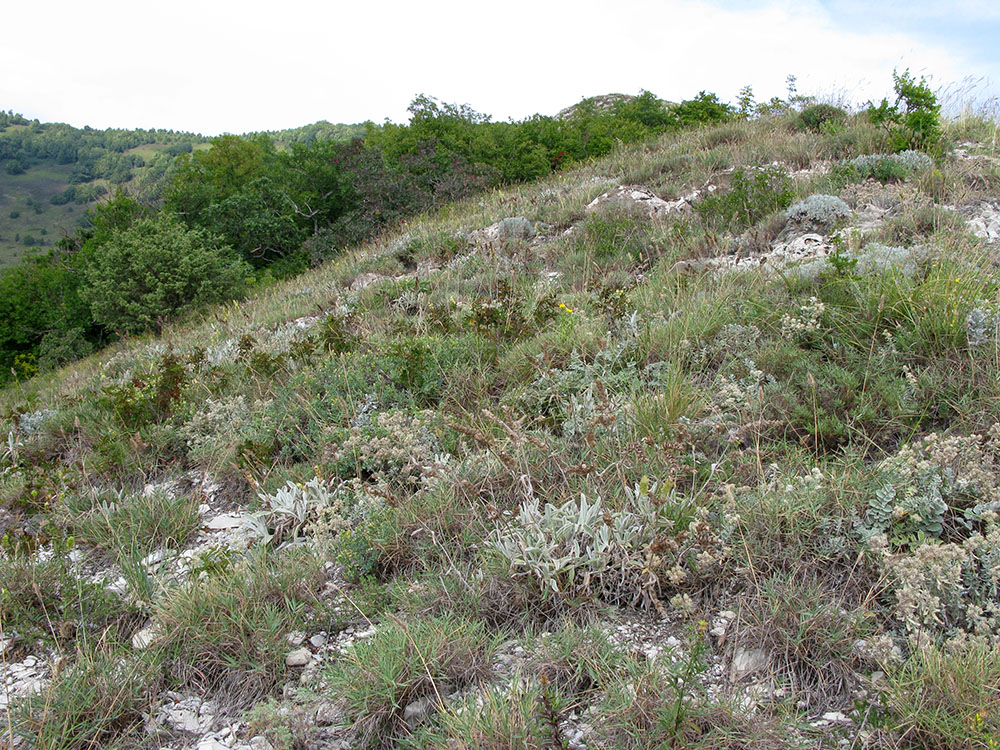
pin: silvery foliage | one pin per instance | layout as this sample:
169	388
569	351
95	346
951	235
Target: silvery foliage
911	161
9	455
288	510
982	324
580	550
877	258
820	210
29	422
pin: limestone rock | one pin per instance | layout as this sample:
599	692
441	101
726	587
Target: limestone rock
512	228
225	522
645	200
985	222
143	638
746	661
298	658
415	713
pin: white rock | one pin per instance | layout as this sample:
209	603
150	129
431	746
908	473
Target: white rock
225	522
747	661
837	717
296	637
212	744
181	717
155	559
298	658
640	197
318	640
415	713
146	636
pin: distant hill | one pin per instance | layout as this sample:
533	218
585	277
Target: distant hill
51	173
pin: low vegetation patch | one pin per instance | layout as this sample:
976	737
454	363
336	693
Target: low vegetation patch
694	444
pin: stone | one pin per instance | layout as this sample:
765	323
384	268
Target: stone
836	717
298	658
366	280
182	718
511	228
986	223
415	713
746	661
327	714
318	641
296	637
652	204
225	522
145	637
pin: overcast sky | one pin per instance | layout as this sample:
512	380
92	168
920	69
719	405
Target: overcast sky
214	66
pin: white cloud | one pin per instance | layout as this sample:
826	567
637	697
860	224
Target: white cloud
227	66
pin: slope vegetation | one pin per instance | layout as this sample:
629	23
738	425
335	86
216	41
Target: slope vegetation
696	445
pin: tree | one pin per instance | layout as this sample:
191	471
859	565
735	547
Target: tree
155	269
704	109
207	177
39	299
316	185
914	120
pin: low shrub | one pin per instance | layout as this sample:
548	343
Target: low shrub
815	116
818	211
752	196
885	168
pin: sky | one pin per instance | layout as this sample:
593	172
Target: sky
220	66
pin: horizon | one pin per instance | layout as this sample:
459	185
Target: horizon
203	70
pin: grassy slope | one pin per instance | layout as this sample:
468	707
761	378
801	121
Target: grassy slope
738	424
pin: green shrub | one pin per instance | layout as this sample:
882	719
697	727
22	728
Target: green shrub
751	197
917	125
885	168
155	270
816	116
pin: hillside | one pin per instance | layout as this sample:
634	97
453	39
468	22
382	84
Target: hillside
696	445
52	173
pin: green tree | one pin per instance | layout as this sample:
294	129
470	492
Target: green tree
156	269
914	120
39	299
704	109
206	177
316	185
